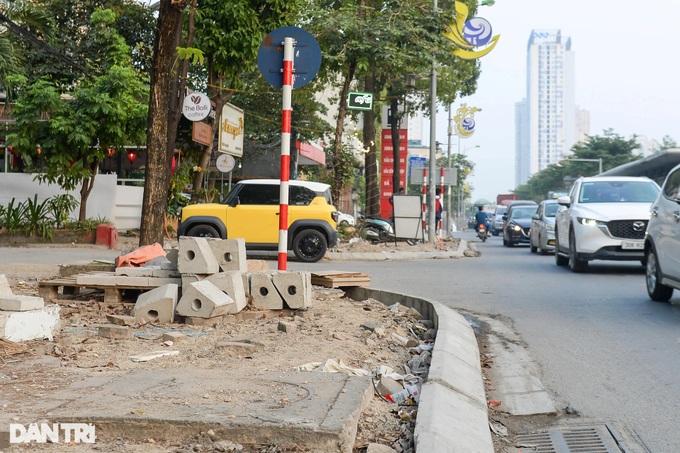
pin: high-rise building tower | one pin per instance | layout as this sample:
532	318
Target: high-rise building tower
545	121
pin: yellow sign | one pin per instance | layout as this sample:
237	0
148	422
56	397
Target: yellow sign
464	49
465	120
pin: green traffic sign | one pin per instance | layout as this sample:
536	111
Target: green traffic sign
360	101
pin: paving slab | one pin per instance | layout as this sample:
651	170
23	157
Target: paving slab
319	411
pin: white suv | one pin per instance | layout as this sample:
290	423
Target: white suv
603	218
662	242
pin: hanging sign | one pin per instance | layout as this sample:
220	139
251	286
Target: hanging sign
196	107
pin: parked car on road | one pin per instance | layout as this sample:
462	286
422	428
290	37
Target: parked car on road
662	241
497	219
345	219
542	235
518	223
251	212
603	218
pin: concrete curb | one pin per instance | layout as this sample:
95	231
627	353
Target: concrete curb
452	414
397	255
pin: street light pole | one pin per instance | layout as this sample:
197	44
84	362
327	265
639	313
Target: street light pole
433	149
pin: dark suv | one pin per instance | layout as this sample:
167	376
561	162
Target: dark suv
251	212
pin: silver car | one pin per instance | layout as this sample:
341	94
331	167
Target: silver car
542	236
662	241
497	221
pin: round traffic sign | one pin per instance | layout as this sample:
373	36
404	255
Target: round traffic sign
225	163
307	57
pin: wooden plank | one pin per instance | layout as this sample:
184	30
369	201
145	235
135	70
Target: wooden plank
338	279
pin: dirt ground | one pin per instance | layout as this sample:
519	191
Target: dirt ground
335	327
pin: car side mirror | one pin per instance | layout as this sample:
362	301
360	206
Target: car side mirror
564	201
505	217
536	217
235	202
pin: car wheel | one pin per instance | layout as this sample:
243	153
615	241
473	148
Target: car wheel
575	264
494	232
532	247
657	292
309	246
559	259
344	223
204	231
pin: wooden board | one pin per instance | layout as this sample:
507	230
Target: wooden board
339	279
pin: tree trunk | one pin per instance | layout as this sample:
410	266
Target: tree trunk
371	159
339	131
157	177
86	188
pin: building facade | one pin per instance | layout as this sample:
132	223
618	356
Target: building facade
547	121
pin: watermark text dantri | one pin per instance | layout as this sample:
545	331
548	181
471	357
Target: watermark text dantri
52	432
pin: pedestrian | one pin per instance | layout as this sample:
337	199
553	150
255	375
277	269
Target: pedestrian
438	208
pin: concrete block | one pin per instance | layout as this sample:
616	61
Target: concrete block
188	279
114	332
160	281
257	266
129	271
287	326
231	283
166	273
103	279
18	326
132	281
204	300
157	305
172	256
21	303
295	288
230	254
196	257
204	322
5	289
175	337
263	291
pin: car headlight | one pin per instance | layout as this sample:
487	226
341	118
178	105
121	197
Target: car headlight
516	228
589	222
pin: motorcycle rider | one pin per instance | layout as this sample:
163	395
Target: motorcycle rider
482	217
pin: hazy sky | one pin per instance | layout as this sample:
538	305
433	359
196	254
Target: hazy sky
626	70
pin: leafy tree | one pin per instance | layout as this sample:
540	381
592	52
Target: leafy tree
668	142
613	149
102	111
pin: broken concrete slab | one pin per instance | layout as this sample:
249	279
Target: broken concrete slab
263	291
5	289
231	283
324	418
175	337
203	299
295	288
230	254
157	305
152	355
114	331
18	326
239	348
196	257
21	303
121	320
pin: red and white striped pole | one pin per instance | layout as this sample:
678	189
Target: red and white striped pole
441	198
424	198
286	116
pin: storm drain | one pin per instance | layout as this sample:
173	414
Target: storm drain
578	439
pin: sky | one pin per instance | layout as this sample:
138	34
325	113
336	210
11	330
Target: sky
626	71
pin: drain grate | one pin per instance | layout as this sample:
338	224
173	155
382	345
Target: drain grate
577	439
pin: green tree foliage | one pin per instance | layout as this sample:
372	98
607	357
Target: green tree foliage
74	129
613	149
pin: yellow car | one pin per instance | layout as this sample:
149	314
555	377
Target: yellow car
251	212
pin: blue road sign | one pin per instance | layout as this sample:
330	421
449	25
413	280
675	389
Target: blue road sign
307	57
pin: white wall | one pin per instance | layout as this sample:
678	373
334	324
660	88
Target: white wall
120	204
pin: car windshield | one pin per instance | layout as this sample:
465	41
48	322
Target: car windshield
523	213
551	209
618	192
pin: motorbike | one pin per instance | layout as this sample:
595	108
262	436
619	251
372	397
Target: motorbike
375	229
483	232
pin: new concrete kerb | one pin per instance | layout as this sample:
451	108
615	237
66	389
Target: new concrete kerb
452	413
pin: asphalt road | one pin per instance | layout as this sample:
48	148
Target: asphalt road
604	348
